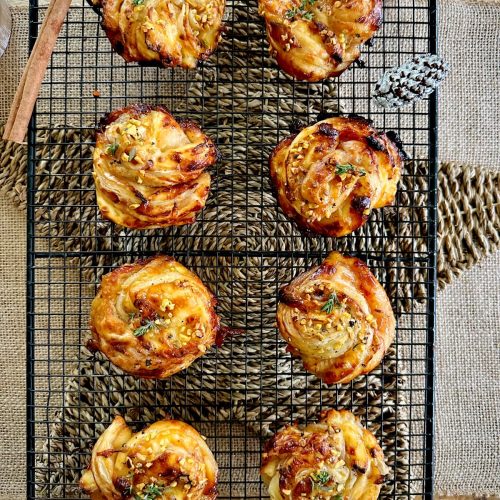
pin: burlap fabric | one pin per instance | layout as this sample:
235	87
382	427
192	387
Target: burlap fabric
464	189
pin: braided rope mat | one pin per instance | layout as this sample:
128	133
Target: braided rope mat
469	229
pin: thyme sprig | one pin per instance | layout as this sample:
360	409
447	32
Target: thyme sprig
143	329
301	10
331	303
321	478
348	168
113	148
151	492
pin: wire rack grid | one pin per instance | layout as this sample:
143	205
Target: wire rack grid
242	247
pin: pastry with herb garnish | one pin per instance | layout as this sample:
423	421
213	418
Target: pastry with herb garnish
330	176
153	318
316	39
150	170
337	318
168	459
333	459
166	33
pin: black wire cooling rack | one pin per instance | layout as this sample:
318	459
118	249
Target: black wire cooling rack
241	246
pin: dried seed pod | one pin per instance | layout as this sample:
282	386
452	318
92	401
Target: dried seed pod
410	82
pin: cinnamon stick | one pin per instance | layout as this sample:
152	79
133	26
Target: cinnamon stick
31	80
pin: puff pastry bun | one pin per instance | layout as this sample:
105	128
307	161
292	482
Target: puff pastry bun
315	39
329	176
153	318
149	169
337	318
334	458
162	32
168	459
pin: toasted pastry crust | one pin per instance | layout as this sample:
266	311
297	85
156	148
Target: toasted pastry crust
168	459
337	318
153	318
315	39
163	32
330	175
333	458
149	169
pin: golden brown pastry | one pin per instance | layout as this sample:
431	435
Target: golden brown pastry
315	39
337	318
162	32
329	176
168	459
333	459
149	169
153	318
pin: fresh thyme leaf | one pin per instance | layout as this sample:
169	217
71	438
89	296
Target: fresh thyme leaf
113	148
138	2
346	168
143	329
301	10
152	491
343	169
321	478
332	302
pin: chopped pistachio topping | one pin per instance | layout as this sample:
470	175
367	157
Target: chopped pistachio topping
131	154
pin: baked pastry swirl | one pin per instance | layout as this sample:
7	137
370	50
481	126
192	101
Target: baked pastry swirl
153	318
149	169
332	459
315	39
337	318
168	459
162	32
329	176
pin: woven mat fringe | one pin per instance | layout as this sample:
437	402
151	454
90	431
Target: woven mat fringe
469	218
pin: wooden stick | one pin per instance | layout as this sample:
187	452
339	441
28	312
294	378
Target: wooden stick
29	86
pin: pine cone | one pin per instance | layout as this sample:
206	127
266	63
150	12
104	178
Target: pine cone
412	81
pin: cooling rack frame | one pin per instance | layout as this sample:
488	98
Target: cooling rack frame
39	416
